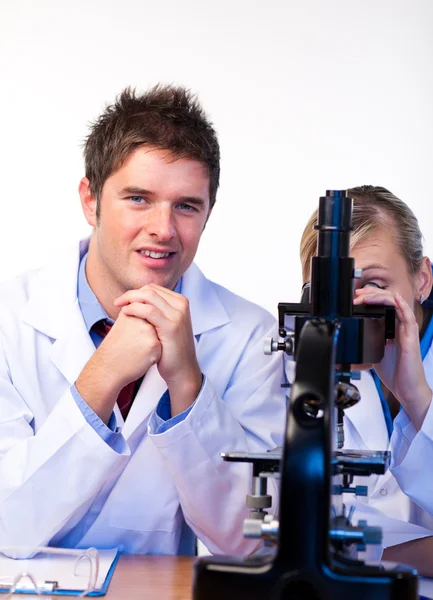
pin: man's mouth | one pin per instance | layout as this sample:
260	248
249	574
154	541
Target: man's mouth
153	254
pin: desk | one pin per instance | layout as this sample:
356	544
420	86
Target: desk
144	578
151	578
163	578
154	578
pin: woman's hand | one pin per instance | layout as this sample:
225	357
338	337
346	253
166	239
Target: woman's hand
401	369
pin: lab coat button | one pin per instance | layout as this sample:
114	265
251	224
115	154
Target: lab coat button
383	492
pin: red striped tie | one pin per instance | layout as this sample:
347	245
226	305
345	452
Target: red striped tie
127	394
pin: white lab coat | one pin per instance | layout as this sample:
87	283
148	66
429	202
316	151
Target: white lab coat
61	484
401	500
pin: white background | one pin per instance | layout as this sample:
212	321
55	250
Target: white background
305	95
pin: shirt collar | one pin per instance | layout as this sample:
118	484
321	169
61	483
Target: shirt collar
90	306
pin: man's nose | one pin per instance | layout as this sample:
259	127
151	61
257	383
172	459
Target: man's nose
161	223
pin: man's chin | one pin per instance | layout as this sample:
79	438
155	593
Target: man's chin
166	282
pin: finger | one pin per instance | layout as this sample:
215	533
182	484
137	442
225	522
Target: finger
173	298
404	312
374	298
164	292
131	296
370	288
147	295
165	328
177	301
145	312
372	291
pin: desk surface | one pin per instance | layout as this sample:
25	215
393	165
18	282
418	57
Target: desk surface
160	578
152	577
149	577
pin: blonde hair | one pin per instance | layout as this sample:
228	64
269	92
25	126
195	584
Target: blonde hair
374	208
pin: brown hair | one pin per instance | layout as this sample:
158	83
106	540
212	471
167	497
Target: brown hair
373	208
166	117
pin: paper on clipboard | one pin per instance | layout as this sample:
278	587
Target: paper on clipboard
58	573
425	587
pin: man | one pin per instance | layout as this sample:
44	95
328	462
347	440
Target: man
124	372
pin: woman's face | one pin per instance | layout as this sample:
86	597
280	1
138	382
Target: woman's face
384	266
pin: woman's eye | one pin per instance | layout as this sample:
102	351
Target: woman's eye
373	284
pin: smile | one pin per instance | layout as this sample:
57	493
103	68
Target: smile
152	254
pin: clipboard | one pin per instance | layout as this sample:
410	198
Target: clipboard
59	572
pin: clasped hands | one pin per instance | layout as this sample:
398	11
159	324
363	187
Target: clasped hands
153	327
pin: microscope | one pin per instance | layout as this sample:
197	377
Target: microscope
314	541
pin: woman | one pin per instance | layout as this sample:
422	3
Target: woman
396	410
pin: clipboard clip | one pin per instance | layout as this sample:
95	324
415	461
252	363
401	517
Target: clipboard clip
15	585
85	567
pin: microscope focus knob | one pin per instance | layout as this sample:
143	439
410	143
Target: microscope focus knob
267	529
270	346
286	346
255	501
253	528
372	535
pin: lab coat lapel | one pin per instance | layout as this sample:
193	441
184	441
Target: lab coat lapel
207	309
74	347
53	310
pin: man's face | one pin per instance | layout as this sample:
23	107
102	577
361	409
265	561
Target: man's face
152	214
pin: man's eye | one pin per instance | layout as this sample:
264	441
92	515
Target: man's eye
186	207
373	284
136	199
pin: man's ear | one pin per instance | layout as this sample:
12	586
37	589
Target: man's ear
424	279
88	201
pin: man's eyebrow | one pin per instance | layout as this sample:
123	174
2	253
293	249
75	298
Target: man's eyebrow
192	200
137	191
